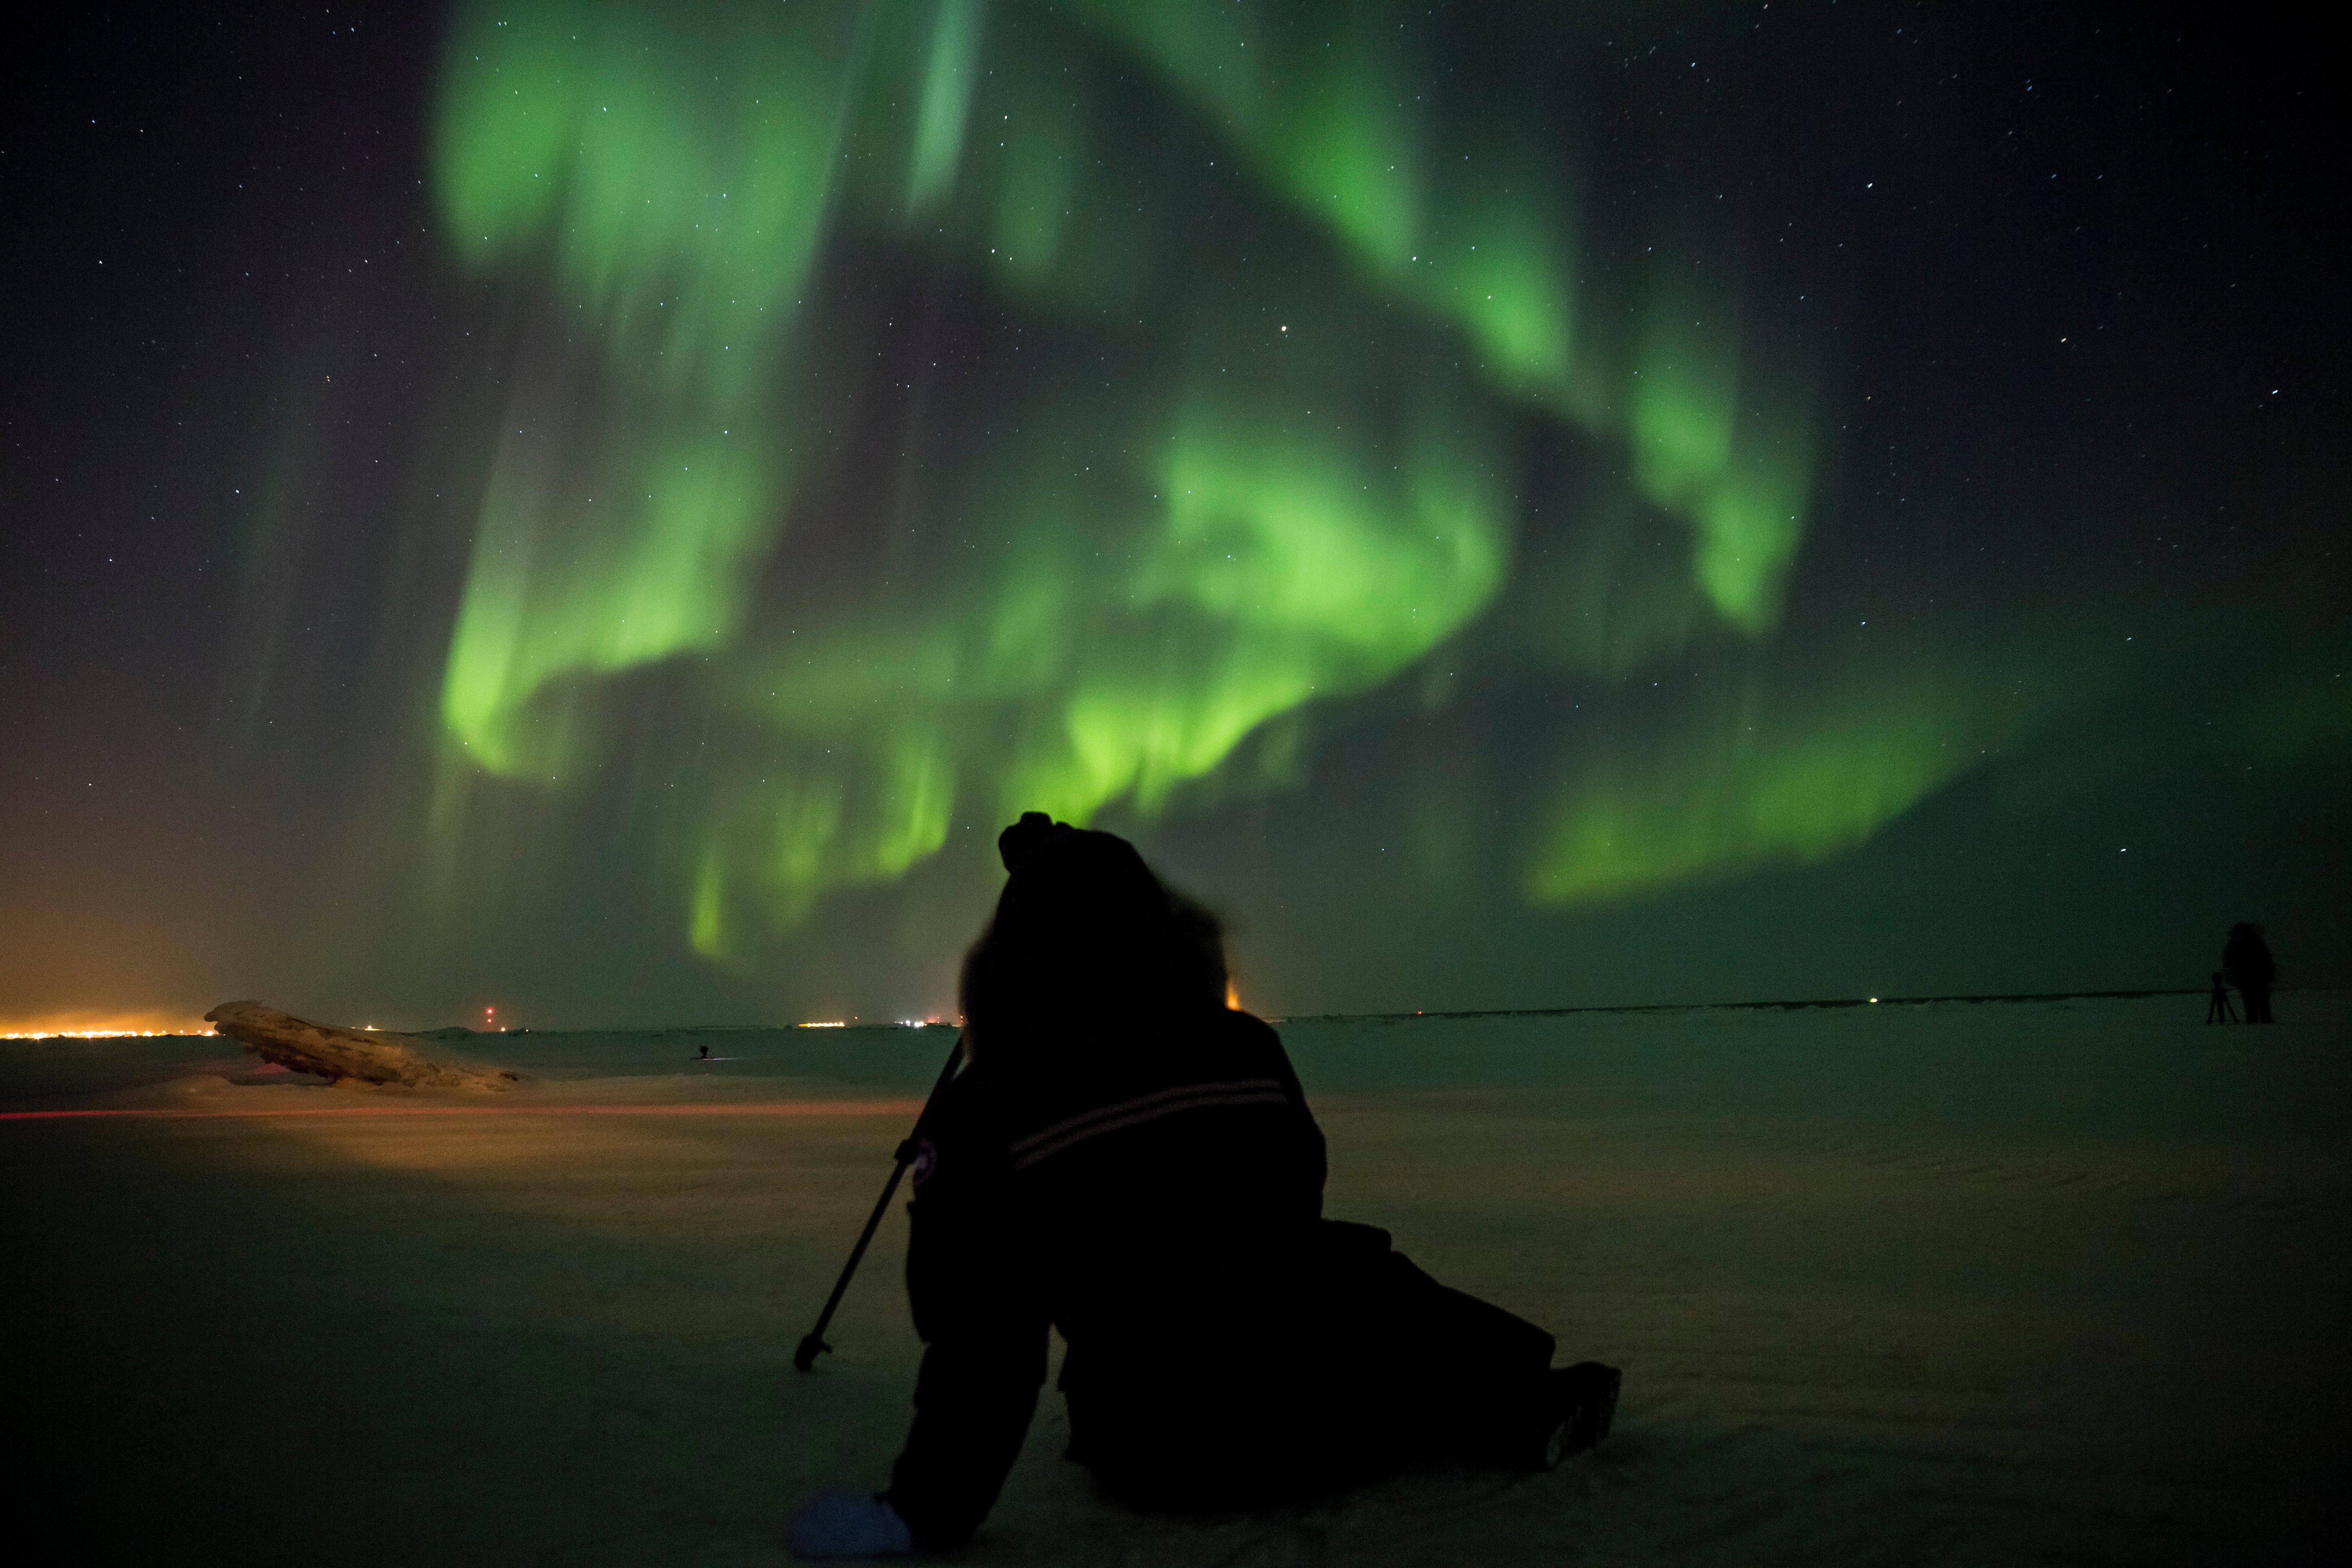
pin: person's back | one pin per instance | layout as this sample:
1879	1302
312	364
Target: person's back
1184	1145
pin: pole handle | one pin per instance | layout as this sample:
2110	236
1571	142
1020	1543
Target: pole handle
812	1344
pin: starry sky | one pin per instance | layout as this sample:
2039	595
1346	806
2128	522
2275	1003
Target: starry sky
604	512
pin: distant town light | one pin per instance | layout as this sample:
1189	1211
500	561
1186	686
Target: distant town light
99	1027
99	1034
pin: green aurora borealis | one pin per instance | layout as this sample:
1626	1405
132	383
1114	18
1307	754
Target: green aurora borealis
1517	504
1099	591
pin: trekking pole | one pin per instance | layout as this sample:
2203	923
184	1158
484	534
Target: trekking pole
812	1344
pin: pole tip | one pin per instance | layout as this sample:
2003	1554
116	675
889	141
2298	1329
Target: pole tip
805	1358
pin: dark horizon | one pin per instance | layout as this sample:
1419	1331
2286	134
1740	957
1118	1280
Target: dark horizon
852	1024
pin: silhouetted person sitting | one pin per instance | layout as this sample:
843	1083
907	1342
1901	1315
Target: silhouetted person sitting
2218	1009
1129	1161
2246	964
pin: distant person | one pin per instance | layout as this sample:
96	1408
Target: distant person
706	1054
2218	1009
2246	963
1126	1159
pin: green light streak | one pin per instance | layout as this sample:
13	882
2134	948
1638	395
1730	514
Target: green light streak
947	82
1509	288
1740	478
678	225
706	930
558	587
1313	100
1763	781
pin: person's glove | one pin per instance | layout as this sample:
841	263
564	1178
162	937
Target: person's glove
849	1524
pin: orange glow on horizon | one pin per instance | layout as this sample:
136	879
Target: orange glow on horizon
95	1026
749	1107
1233	996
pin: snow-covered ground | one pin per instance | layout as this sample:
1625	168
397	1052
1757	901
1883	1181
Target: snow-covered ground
1962	1282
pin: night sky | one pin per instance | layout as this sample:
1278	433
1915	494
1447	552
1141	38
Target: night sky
604	512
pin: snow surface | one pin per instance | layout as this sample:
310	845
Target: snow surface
1992	1282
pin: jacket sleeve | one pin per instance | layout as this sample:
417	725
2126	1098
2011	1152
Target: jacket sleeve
975	1292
